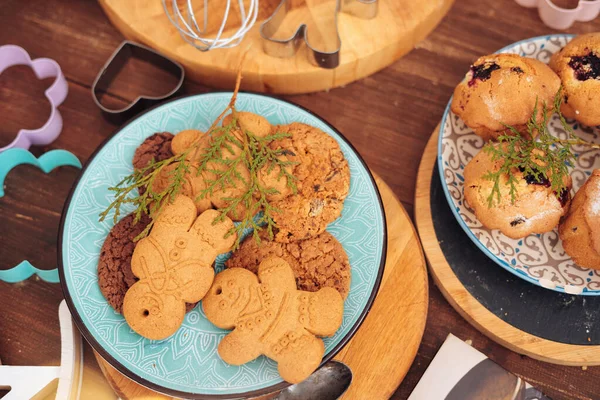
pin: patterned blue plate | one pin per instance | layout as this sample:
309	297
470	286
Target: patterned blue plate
187	363
539	259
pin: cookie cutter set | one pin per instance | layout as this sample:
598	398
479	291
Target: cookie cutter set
562	18
34	381
17	153
27	382
187	24
285	48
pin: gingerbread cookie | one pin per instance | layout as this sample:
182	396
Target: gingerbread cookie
114	267
254	123
174	265
317	262
193	185
323	183
270	316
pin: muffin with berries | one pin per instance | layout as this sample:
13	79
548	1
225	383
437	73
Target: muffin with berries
502	89
578	66
532	207
580	229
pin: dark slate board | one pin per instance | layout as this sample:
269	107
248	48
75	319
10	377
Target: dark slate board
541	312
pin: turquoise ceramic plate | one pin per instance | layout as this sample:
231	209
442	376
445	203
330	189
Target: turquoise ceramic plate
187	363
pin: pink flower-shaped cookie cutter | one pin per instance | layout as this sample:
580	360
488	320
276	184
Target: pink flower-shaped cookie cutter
11	55
562	18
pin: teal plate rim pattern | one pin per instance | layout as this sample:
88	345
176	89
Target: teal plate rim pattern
186	364
538	259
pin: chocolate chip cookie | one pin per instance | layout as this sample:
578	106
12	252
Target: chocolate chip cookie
317	262
323	183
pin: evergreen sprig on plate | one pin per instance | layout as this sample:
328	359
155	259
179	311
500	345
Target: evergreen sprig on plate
545	158
220	162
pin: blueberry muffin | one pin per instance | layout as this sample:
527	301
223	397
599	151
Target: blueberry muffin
502	89
536	209
578	66
580	229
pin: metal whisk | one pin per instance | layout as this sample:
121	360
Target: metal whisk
189	28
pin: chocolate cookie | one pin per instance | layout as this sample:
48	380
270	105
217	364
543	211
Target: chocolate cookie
317	262
323	183
157	147
114	266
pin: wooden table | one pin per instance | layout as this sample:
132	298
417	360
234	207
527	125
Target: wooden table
388	117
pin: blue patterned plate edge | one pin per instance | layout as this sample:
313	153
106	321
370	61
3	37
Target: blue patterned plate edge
176	393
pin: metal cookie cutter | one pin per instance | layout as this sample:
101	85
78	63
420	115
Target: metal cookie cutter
562	18
284	48
11	55
46	162
115	64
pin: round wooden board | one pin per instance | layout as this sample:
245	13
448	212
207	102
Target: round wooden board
462	300
383	349
367	45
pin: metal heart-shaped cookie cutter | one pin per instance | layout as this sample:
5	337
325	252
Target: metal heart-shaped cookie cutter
115	64
10	159
562	18
285	48
11	55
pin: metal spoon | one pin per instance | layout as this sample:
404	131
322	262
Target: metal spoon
327	383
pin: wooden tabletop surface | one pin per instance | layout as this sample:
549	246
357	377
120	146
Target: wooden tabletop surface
388	117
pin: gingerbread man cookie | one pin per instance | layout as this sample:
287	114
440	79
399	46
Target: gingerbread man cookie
174	267
269	316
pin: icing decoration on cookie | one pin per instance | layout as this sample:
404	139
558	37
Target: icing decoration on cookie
174	265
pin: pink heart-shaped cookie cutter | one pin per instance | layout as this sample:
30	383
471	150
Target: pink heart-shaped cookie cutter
11	55
562	18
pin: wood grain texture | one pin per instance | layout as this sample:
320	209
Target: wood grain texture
388	117
367	45
378	366
462	300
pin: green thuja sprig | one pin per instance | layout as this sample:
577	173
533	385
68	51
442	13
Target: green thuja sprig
219	159
545	157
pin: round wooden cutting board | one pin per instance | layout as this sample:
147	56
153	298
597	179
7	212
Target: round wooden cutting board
383	349
367	45
540	323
